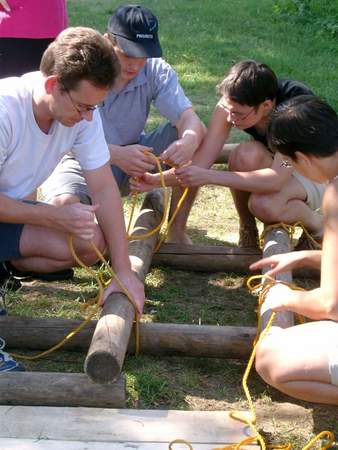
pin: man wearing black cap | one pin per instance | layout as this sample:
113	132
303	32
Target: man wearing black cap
145	79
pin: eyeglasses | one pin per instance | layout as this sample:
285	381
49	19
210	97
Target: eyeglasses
237	115
83	110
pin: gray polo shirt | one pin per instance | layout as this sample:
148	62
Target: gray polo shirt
124	114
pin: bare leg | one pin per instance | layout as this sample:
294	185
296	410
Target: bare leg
295	361
177	232
246	157
46	250
286	206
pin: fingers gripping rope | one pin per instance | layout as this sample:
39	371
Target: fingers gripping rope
165	209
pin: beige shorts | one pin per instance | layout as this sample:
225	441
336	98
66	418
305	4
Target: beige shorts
314	191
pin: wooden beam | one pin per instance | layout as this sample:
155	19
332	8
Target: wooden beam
121	426
215	258
277	241
107	351
206	258
59	389
156	338
224	155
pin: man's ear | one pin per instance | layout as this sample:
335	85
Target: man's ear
50	83
268	105
302	158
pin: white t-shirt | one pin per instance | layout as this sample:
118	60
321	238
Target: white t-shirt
28	155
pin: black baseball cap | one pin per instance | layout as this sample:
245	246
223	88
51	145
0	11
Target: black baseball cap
135	29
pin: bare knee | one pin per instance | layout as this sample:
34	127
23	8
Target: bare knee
249	156
269	363
87	252
265	208
64	199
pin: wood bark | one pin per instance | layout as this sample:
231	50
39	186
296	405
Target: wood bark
107	351
277	241
59	389
156	338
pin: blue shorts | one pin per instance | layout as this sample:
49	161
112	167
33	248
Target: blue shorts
67	178
10	234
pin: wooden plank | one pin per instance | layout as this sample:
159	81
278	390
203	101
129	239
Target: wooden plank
155	338
206	258
122	426
30	444
59	389
107	351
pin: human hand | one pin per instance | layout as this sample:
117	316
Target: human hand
144	183
177	154
192	176
279	263
277	298
76	219
134	160
5	5
133	285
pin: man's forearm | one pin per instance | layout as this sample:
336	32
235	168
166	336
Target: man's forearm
15	211
260	181
111	221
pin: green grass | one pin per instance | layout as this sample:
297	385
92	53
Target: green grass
201	39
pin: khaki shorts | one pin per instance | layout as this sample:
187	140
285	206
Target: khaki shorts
314	191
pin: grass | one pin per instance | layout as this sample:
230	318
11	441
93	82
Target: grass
201	39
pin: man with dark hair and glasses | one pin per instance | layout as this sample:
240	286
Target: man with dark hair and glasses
145	79
261	185
43	116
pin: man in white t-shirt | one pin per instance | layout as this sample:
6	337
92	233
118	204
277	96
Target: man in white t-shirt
43	116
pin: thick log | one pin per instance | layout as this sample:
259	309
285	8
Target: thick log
215	258
206	258
108	348
155	338
59	389
224	155
277	241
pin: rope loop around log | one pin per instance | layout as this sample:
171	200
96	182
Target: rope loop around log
94	303
290	229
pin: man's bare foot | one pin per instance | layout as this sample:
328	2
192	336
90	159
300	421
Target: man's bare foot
178	238
248	237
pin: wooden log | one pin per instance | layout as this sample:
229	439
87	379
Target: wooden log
59	389
277	241
224	155
156	338
206	258
106	354
215	258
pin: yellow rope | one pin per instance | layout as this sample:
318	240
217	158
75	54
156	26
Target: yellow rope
263	289
165	209
290	229
166	231
96	303
165	205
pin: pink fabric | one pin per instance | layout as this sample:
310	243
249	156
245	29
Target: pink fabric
33	19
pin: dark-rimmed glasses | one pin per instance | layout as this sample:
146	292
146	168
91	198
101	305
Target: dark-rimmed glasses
85	109
237	115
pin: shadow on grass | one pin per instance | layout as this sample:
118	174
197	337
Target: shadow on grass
199	236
